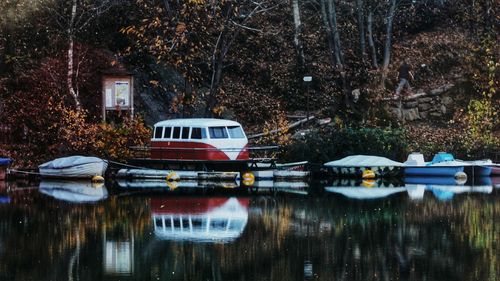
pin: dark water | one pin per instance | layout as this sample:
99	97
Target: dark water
50	231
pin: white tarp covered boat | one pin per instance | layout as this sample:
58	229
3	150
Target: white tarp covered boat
74	167
355	165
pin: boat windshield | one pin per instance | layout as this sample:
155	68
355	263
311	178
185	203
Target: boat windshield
235	132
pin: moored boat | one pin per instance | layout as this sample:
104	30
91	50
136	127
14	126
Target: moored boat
4	163
443	165
479	168
74	167
358	165
199	139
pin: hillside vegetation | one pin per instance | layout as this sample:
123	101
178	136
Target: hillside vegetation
246	60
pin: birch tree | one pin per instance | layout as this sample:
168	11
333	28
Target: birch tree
73	17
298	31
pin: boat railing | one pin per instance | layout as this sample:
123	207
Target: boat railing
258	152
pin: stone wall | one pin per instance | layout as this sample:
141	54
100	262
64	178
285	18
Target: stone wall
435	104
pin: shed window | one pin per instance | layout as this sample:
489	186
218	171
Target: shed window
158	132
167	132
177	133
218	132
185	132
235	132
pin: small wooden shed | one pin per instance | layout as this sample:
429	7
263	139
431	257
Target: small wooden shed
117	91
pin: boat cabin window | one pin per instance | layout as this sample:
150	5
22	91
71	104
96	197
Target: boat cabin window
158	132
177	133
185	132
235	132
198	133
218	132
167	132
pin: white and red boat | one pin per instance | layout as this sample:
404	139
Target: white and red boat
199	139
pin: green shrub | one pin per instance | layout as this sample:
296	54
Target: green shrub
324	145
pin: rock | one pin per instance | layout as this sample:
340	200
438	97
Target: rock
424	115
441	89
425	99
416	96
446	100
410	104
397	112
410	114
443	109
424	106
435	114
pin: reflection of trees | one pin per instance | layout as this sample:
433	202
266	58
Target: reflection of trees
40	238
330	237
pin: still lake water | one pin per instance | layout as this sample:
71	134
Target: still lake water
288	232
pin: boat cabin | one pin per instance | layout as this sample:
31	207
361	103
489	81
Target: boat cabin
199	139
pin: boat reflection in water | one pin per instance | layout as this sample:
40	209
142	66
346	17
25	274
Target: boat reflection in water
76	191
219	220
173	185
365	189
270	186
443	188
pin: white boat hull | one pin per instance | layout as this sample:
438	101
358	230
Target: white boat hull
77	170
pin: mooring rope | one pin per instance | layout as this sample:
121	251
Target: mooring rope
22	172
126	165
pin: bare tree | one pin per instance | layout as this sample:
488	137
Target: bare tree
388	41
373	49
361	28
74	17
236	16
298	30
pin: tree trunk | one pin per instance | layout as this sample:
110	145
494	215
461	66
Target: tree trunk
298	31
71	38
370	39
328	31
387	47
388	43
336	36
361	28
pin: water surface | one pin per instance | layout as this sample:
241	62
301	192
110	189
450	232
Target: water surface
294	231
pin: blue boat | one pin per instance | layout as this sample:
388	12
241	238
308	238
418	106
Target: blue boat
442	165
479	168
4	163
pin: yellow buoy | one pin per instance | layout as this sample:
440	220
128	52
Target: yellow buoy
368	174
172	176
368	183
172	184
248	179
96	179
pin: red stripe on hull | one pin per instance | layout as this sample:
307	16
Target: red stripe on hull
244	155
190	151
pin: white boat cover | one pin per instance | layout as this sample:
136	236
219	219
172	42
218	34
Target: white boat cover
71	161
364	161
